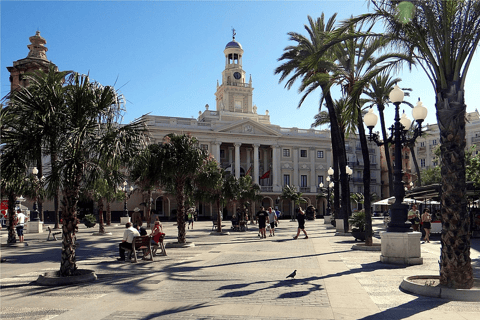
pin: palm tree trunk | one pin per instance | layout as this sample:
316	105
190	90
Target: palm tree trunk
101	227
180	211
219	218
148	207
108	215
415	163
68	265
381	108
342	159
366	182
455	263
12	237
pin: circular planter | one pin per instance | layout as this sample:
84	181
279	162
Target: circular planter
53	278
358	235
429	286
89	224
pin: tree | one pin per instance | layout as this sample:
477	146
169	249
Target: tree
39	109
248	192
210	184
180	161
290	193
442	36
146	173
301	62
91	139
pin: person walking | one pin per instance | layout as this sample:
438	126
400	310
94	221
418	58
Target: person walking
427	224
262	217
301	224
190	217
272	218
127	241
20	220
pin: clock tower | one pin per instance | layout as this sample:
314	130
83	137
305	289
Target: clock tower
235	93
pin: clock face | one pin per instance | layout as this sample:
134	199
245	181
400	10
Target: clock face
237	75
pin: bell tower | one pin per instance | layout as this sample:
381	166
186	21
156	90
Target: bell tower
235	93
35	60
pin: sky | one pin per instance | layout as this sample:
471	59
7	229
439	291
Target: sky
165	57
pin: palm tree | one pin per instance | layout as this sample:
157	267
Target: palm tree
442	36
39	108
290	193
91	139
210	183
248	192
145	172
301	63
180	161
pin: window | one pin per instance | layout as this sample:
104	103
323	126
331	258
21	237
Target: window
204	147
286	153
303	181
422	144
373	189
286	179
303	153
434	142
373	159
238	105
320	179
435	163
319	154
422	163
222	153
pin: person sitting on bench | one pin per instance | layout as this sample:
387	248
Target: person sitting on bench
127	241
157	233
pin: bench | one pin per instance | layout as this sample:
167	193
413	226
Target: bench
215	225
53	234
142	243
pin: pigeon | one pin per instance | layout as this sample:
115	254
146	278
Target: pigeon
292	275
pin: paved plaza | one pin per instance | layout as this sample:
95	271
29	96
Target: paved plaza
236	276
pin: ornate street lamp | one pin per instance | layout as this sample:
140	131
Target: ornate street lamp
127	195
329	187
36	186
398	211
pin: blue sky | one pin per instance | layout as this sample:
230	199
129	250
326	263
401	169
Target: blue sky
166	56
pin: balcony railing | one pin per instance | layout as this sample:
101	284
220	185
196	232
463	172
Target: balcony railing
304	189
266	188
238	84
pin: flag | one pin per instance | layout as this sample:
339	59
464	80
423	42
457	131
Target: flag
265	175
248	171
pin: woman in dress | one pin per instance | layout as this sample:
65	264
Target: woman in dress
426	223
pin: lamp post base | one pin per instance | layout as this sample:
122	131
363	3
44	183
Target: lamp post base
327	219
124	220
401	248
35	226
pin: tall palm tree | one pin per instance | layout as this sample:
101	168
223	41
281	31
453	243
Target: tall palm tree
314	74
291	193
40	108
180	161
91	139
443	37
145	172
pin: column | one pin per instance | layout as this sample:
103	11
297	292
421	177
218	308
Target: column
255	163
217	151
265	160
295	167
275	168
249	151
237	159
313	178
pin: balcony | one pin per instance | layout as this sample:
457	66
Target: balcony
266	188
305	189
422	149
238	84
475	139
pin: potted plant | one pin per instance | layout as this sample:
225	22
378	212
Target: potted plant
358	225
89	220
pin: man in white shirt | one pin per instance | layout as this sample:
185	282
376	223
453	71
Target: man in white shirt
127	240
20	220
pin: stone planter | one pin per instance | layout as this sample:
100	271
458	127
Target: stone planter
358	235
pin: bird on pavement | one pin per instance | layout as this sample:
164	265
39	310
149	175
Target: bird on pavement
292	275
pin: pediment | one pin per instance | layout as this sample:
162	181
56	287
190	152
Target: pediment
248	127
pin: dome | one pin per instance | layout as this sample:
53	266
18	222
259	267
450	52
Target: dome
233	44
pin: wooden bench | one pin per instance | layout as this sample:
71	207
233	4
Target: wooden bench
53	234
142	243
215	225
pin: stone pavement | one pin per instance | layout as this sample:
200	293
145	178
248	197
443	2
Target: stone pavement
236	276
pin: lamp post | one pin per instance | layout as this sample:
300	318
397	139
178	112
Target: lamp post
329	187
36	185
127	195
398	211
